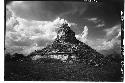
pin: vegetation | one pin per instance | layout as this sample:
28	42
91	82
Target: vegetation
42	70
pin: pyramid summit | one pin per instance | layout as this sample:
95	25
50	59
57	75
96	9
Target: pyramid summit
65	34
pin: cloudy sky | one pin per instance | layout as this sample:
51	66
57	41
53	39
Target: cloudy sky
32	25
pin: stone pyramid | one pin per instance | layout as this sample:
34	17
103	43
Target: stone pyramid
67	48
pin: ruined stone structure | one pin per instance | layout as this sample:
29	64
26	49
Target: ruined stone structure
67	48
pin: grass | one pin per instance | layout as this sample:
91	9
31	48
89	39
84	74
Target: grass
28	71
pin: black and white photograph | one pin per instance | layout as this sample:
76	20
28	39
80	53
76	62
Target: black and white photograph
75	40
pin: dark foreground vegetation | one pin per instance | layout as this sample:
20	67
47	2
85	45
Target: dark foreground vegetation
25	69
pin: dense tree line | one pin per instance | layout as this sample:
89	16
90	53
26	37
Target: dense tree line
14	57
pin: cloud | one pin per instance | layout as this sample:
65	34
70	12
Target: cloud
100	25
83	36
8	14
113	36
112	32
31	34
98	22
92	19
111	43
46	11
17	3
